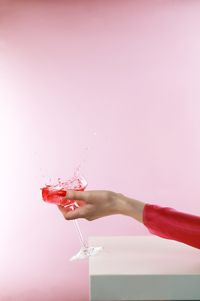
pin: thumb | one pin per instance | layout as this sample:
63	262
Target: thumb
76	195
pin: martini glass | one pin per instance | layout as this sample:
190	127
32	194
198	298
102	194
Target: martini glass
56	194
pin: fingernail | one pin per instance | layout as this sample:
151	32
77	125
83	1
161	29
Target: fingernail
62	193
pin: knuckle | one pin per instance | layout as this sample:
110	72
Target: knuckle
90	218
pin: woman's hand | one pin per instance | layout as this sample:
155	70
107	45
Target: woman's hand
93	204
98	203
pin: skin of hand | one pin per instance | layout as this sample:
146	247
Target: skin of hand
99	203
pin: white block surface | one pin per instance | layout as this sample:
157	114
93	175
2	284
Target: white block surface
143	268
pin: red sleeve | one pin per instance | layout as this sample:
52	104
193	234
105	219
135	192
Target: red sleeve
171	224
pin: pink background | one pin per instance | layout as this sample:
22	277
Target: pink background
112	84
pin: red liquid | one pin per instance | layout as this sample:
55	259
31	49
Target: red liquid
56	194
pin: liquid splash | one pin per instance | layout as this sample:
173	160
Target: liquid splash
57	193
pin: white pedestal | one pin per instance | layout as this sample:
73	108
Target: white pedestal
143	268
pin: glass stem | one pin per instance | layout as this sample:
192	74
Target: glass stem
83	243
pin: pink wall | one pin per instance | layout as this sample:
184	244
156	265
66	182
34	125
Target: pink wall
118	77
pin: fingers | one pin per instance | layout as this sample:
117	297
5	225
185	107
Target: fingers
81	197
77	195
72	214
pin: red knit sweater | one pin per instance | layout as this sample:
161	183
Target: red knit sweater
171	224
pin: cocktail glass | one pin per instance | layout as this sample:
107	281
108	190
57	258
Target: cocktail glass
56	194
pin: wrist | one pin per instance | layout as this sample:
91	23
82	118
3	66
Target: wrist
122	204
130	207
